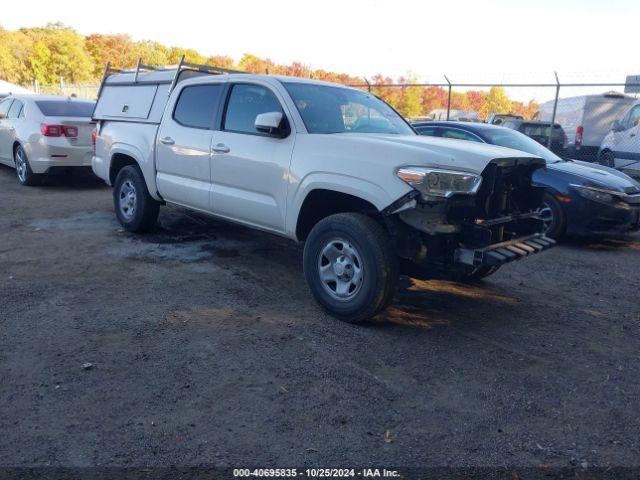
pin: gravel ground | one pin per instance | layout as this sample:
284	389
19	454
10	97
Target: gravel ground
207	349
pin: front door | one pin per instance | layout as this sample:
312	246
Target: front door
6	153
183	157
627	146
249	172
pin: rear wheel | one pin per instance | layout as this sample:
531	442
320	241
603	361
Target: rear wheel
23	169
136	210
553	216
350	266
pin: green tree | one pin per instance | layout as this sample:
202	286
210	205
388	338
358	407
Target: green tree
152	53
59	52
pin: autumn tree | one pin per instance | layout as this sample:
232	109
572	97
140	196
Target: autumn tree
496	101
118	50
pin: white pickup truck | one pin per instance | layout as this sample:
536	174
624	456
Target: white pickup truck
319	163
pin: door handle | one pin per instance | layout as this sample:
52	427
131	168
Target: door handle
12	129
632	135
220	148
167	141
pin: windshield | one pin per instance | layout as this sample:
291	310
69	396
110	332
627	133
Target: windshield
505	137
65	108
326	109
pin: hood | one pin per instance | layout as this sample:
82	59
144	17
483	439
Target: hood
591	174
418	150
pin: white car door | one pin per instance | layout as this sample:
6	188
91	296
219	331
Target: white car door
183	156
6	153
249	172
627	146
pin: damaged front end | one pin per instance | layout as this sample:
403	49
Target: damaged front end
456	222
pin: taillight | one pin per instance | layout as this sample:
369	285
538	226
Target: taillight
94	135
51	130
59	130
71	132
579	131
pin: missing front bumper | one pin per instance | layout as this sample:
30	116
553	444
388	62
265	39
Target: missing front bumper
504	252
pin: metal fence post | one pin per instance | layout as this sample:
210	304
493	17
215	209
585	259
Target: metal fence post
555	106
449	98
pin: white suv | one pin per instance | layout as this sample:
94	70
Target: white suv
621	147
319	163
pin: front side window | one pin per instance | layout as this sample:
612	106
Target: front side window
459	134
634	117
245	103
428	131
326	109
513	139
4	107
197	106
15	110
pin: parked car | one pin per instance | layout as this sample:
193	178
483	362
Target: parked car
319	163
42	134
539	131
621	147
581	198
499	118
586	119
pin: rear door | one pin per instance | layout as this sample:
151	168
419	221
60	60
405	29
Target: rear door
249	168
5	132
183	146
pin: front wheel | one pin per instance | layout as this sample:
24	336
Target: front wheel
553	217
136	210
350	266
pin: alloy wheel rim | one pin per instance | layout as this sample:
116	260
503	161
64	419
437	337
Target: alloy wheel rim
21	165
340	269
546	215
127	200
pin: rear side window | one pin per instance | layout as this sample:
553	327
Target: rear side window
197	106
246	102
16	108
65	108
428	131
4	107
459	134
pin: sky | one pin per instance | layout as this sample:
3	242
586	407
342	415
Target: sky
475	41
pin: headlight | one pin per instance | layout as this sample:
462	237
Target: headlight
432	182
596	194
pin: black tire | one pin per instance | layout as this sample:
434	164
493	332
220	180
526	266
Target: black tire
374	255
558	225
141	212
24	173
607	158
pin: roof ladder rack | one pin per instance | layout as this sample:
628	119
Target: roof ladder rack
181	67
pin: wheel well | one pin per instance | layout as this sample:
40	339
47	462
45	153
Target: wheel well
118	162
321	203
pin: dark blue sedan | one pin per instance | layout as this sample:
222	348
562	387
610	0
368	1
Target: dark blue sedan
581	199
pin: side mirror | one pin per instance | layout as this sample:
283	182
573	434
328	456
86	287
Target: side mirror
617	126
272	123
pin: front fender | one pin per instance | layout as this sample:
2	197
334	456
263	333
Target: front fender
347	184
